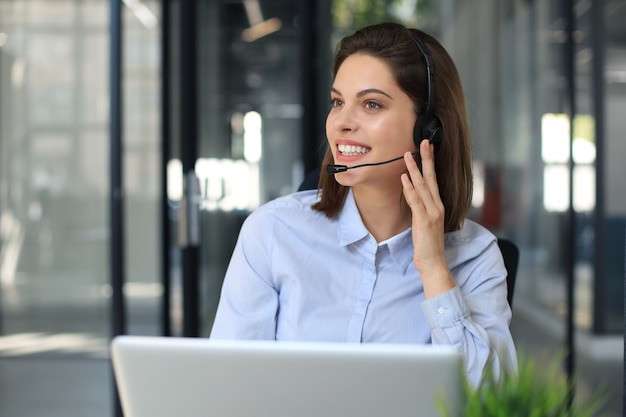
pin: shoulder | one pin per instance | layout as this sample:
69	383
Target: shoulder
284	222
470	232
291	208
470	242
298	201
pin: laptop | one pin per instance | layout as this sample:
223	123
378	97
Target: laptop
193	377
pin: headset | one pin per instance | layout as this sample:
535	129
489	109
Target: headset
428	125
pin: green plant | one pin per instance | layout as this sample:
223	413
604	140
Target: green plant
538	389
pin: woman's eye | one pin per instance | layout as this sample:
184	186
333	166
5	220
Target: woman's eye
372	105
335	102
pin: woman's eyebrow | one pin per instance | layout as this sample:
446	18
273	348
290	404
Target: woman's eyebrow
364	92
372	91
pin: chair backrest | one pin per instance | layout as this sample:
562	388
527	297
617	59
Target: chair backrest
310	181
510	252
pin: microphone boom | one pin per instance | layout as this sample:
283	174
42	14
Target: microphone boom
335	169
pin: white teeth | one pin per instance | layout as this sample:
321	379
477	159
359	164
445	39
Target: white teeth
352	149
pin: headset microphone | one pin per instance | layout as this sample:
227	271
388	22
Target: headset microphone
334	169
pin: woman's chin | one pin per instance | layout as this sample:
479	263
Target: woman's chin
347	178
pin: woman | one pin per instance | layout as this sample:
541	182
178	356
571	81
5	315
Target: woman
381	252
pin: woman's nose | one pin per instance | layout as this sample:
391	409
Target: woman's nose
345	119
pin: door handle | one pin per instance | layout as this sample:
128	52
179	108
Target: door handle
189	225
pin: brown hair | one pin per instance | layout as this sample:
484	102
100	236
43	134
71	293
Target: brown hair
393	43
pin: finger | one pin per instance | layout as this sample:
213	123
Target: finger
412	167
411	196
425	194
419	182
427	151
416	190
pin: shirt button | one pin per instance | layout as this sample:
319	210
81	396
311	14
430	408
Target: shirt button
441	310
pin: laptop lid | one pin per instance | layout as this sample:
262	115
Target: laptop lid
192	377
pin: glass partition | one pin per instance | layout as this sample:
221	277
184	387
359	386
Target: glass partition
54	195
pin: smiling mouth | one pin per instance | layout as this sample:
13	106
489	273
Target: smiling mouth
351	150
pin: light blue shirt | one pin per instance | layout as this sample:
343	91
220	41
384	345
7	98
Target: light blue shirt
297	275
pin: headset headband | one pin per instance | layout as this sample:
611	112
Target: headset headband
429	77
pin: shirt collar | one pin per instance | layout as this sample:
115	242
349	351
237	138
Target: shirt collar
401	248
352	230
351	227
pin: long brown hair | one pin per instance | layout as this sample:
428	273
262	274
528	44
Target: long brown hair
393	43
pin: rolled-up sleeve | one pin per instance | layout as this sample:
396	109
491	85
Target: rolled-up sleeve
474	317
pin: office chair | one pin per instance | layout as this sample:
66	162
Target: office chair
510	251
510	254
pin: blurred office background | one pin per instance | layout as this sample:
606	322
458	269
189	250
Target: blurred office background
136	135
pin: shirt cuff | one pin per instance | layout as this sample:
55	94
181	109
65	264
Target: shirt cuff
445	310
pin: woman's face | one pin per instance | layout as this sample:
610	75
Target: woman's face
371	120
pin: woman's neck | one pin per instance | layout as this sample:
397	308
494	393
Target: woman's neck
385	213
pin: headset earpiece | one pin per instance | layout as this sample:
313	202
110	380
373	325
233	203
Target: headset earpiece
428	129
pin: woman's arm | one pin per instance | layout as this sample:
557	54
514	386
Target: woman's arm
473	316
248	302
